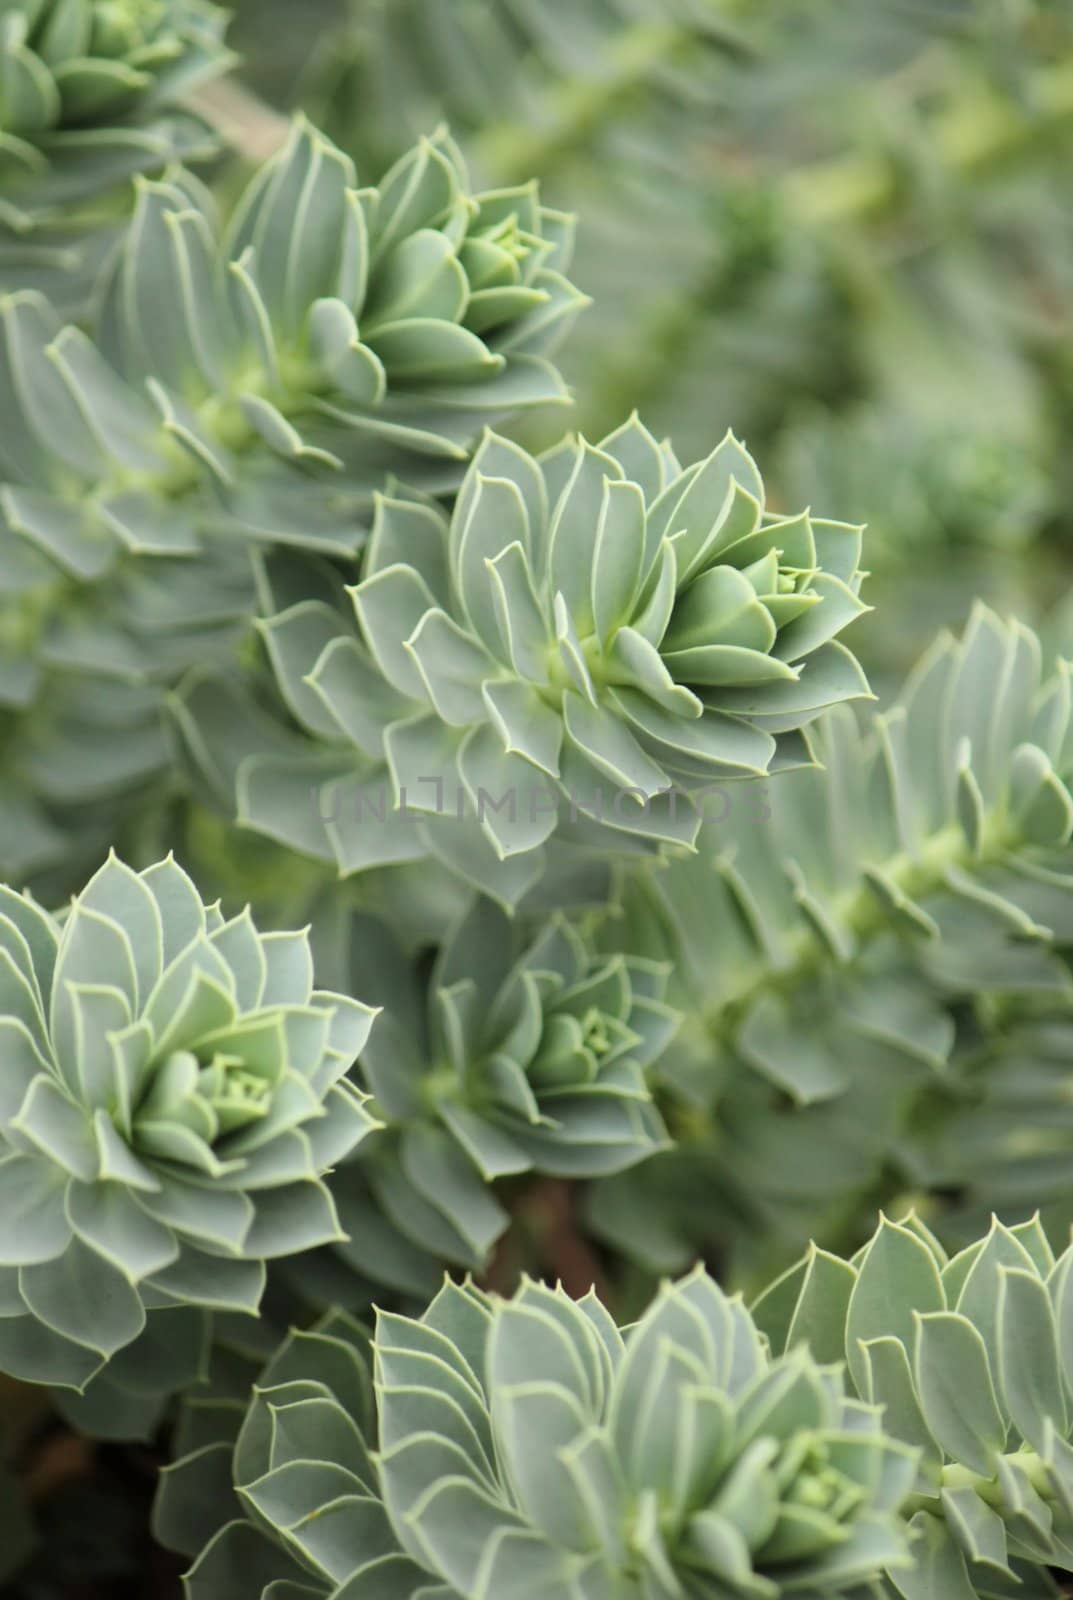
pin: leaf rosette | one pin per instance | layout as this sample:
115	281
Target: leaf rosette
222	402
528	1447
328	334
89	95
969	1357
593	637
221	350
512	1055
174	1091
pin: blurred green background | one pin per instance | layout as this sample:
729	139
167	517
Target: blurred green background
844	231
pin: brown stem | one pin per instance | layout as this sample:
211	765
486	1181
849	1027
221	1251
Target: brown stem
564	1251
58	1461
543	1238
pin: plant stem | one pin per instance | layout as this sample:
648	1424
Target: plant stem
253	129
860	913
957	1476
545	1237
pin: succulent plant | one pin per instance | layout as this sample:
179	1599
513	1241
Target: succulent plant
330	332
228	397
187	423
556	752
513	1054
73	65
230	1442
225	412
672	1456
90	94
970	1359
871	959
174	1091
605	99
594	637
82	670
527	1448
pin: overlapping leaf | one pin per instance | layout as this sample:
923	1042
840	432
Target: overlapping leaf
969	1357
593	636
83	741
867	953
266	379
527	1447
511	1055
174	1091
89	96
288	361
768	207
307	1431
230	396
